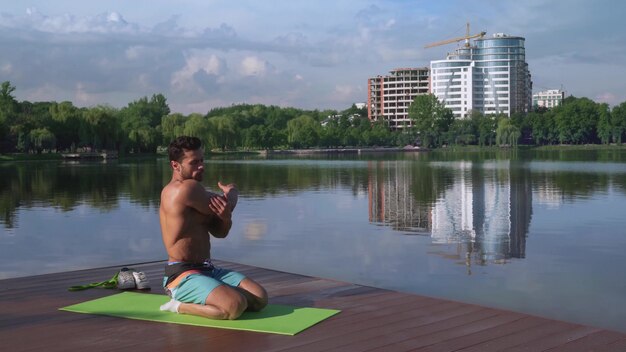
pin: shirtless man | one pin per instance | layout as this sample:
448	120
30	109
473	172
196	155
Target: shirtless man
189	214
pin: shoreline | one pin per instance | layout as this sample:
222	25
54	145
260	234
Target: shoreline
343	150
354	150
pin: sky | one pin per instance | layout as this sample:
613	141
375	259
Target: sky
203	54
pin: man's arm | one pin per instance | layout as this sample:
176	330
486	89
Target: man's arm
223	206
211	204
231	193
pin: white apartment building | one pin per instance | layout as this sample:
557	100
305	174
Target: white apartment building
389	97
548	98
490	76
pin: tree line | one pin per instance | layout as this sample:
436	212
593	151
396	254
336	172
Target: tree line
147	124
575	121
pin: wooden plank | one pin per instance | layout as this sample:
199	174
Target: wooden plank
453	332
371	319
507	342
489	339
595	341
617	346
425	325
365	327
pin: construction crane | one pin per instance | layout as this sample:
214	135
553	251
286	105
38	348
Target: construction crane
467	37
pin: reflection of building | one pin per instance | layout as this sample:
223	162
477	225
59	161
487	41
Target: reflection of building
493	207
390	198
389	97
552	197
487	206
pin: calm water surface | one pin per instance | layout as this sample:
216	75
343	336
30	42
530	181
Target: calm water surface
541	233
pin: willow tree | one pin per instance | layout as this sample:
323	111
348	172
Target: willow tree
225	135
507	134
199	126
303	132
42	139
172	126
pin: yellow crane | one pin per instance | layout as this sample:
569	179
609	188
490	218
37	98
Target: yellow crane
467	37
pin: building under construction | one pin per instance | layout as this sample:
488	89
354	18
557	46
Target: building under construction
485	74
389	97
489	75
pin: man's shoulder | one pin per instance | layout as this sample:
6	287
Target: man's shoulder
183	191
183	185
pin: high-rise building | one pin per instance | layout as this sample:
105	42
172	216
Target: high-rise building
490	76
548	98
389	97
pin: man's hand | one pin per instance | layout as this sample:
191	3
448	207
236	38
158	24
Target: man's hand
231	194
219	205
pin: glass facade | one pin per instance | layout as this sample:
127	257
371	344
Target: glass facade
493	72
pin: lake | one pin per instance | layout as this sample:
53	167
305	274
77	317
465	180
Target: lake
537	232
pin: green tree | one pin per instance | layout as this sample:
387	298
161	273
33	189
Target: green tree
8	112
486	127
330	134
225	135
140	120
462	132
379	134
604	127
576	121
618	122
8	104
42	139
199	126
507	134
172	126
430	118
66	119
100	128
302	132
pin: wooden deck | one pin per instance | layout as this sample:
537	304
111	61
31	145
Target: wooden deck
371	320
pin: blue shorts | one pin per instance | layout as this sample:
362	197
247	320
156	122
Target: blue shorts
195	288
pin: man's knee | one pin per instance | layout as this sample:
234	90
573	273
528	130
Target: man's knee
260	302
235	306
230	302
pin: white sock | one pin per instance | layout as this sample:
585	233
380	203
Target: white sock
172	306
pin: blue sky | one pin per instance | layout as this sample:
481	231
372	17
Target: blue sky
305	54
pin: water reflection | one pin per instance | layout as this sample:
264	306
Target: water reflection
65	186
486	207
410	222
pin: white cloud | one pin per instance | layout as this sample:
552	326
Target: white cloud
253	66
313	55
82	98
343	92
607	97
6	68
197	62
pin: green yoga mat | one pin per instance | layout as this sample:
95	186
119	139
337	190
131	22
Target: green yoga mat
276	319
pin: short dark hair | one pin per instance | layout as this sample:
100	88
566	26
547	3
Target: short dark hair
177	147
